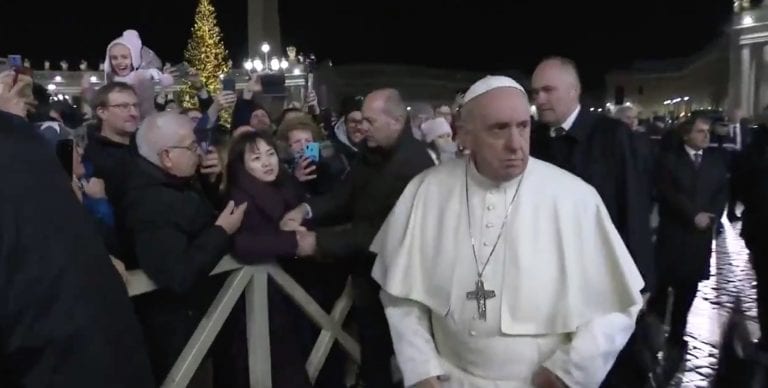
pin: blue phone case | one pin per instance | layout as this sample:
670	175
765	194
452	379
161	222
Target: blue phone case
312	151
15	61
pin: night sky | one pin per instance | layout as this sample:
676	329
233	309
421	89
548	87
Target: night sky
479	35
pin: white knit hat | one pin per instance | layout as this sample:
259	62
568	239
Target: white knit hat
130	39
489	83
433	128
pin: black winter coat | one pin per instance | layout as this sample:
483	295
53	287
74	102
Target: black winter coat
65	317
177	244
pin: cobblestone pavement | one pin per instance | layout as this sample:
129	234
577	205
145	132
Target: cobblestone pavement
731	277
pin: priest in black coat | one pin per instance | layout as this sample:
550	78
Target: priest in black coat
598	149
65	316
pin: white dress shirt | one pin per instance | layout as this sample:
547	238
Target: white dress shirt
568	123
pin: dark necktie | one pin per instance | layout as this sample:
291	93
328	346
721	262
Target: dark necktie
697	159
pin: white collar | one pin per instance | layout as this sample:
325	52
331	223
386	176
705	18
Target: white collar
486	184
568	123
692	152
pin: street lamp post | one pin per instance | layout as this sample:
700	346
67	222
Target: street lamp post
265	50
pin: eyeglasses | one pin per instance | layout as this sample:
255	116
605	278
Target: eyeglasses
192	147
124	107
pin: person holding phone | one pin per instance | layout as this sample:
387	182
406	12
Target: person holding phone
312	160
250	108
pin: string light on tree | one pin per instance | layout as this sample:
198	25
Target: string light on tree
205	53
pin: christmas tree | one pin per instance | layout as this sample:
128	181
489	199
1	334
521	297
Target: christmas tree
205	52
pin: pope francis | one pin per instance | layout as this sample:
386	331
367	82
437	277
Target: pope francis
500	270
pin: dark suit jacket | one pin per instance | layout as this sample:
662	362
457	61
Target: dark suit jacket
685	191
599	149
751	183
363	201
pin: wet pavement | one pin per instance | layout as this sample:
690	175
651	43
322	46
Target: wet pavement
731	277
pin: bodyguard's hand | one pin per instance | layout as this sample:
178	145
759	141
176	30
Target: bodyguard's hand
232	216
307	243
545	378
293	219
211	165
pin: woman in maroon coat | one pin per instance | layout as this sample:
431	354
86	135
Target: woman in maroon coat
256	176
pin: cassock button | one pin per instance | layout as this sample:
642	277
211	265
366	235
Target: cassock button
490	207
472	333
486	244
489	225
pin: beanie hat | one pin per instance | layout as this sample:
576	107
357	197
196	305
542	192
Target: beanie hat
130	39
349	105
434	128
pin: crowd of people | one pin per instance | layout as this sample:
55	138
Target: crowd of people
410	203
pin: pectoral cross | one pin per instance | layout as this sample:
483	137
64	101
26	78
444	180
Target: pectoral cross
480	295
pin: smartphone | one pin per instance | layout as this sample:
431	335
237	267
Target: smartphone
203	137
228	84
273	84
65	151
15	63
312	151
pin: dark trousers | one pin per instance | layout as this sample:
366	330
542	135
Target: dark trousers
682	300
759	259
375	340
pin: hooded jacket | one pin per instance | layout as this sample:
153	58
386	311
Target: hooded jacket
143	76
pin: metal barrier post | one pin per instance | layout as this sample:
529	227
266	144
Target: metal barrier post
257	318
206	331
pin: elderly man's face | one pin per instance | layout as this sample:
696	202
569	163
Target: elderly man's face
555	93
183	157
382	129
629	117
498	128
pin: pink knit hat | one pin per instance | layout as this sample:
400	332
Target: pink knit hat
131	40
434	128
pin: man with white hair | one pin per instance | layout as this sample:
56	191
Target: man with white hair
628	114
500	270
177	236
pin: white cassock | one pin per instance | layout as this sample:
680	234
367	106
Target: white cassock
567	290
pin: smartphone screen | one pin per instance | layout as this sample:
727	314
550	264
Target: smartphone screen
312	152
65	149
228	84
15	62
